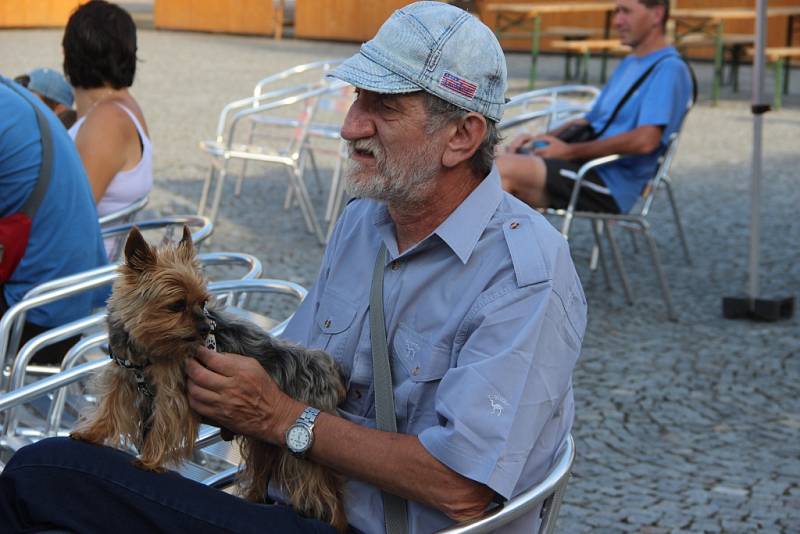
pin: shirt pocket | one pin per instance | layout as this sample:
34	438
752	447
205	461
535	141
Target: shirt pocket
334	321
423	365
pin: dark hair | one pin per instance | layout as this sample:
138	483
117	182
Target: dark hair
656	3
440	113
100	46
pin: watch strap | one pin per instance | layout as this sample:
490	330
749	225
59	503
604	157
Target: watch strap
308	417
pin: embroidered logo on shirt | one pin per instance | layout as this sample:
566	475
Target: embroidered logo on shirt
411	350
458	85
497	404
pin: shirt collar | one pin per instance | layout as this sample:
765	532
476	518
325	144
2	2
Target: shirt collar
462	228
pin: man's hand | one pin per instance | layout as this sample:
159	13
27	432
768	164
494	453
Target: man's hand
237	394
518	141
556	148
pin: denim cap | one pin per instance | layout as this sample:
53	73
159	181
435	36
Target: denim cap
434	47
50	83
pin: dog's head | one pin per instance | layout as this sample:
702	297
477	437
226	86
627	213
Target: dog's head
159	297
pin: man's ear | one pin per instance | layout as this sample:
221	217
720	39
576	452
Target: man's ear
138	254
466	136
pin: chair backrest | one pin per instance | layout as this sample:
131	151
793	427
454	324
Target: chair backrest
125	214
548	493
662	173
547	108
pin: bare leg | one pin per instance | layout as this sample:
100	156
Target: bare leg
524	176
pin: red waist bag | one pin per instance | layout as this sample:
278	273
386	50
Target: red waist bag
15	229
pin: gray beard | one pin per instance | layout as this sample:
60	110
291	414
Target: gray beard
407	180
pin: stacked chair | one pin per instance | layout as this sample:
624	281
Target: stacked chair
283	123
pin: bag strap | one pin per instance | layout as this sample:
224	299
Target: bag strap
46	168
394	507
632	89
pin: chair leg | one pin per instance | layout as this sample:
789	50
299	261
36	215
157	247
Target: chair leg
306	207
778	99
238	189
201	206
615	254
662	279
551	507
314	167
218	191
335	178
598	256
678	224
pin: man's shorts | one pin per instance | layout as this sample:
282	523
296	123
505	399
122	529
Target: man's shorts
594	195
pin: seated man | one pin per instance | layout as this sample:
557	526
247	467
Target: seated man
65	235
640	129
484	318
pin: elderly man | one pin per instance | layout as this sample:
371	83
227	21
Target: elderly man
543	174
484	313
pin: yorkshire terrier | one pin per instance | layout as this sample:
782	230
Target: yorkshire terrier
159	313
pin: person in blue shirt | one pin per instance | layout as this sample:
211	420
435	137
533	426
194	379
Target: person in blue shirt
545	177
65	234
484	319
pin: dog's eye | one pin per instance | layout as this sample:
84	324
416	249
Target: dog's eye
177	306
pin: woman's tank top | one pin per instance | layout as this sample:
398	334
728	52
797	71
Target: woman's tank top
130	185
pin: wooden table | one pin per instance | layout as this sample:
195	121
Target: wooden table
509	16
712	22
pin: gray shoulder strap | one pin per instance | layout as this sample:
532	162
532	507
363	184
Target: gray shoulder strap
46	168
394	507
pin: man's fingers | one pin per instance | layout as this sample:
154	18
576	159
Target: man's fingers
203	376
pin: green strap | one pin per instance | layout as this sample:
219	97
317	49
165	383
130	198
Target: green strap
394	507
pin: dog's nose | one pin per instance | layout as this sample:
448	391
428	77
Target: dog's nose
203	329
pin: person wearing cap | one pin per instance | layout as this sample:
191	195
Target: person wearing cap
51	87
640	130
484	315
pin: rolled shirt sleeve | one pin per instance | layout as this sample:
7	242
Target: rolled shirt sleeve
513	374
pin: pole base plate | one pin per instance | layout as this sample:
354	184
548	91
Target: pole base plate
757	309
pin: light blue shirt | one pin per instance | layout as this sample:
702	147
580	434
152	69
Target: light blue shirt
661	100
484	319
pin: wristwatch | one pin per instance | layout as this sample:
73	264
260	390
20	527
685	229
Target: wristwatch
300	436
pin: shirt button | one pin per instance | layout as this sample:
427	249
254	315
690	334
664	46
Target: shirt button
415	371
327	323
395	265
514	225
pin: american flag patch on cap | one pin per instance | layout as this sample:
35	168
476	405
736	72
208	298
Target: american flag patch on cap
458	85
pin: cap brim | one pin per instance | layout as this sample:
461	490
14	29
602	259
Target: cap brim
362	72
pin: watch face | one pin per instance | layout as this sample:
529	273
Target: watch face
298	438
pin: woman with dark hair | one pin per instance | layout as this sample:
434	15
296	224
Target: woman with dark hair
111	134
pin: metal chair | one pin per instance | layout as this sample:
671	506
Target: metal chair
635	220
548	494
298	78
21	429
125	214
296	106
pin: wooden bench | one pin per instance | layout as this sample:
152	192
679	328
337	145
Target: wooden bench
584	48
779	57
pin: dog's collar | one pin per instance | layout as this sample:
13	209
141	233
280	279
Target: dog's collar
211	339
138	370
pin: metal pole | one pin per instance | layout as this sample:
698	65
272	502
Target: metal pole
755	191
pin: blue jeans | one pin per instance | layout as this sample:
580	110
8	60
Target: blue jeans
64	484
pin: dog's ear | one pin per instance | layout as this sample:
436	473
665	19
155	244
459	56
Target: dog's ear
186	247
138	254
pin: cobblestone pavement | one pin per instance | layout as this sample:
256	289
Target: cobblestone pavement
692	426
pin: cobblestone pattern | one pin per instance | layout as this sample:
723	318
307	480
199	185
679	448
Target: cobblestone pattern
691	426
